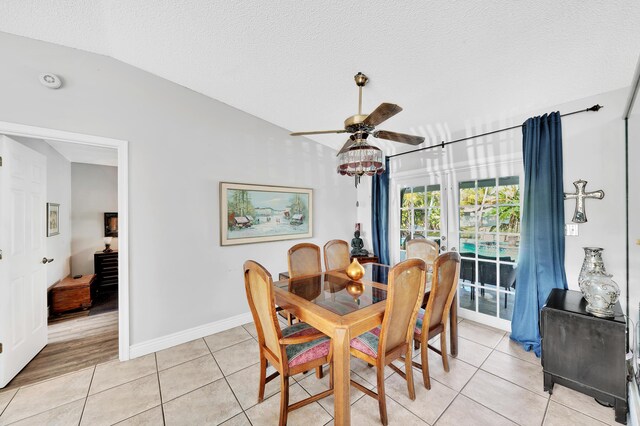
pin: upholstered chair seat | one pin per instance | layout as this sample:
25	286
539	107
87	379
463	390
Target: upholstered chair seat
367	342
302	353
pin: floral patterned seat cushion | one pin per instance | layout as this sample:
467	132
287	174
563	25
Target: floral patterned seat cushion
304	352
418	329
367	342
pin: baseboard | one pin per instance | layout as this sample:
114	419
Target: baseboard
164	342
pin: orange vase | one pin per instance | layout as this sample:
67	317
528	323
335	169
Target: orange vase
355	271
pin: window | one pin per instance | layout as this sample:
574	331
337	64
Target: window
420	211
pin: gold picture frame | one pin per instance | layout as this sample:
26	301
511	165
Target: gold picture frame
262	213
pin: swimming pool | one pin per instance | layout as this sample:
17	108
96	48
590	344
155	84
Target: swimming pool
488	250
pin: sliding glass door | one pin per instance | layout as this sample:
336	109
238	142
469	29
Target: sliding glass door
488	238
472	214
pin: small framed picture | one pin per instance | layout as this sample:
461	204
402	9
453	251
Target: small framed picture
53	219
111	224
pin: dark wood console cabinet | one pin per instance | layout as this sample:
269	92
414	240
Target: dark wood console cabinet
366	259
584	352
106	269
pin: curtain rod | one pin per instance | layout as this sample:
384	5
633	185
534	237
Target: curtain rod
594	108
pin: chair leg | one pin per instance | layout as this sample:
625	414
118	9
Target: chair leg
319	372
289	319
263	378
382	399
331	376
416	344
284	400
443	349
408	371
424	359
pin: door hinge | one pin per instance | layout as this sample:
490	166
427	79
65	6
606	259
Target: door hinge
0	348
0	161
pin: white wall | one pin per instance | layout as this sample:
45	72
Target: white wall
58	191
181	145
94	191
593	150
634	211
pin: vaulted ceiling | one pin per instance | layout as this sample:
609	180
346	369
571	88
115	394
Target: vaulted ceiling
448	64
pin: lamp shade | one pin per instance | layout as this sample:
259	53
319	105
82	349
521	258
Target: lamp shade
361	159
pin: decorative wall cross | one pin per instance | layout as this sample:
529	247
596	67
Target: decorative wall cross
580	216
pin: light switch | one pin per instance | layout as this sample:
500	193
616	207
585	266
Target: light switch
571	229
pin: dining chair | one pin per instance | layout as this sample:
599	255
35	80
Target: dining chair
392	339
290	351
423	248
434	319
336	255
302	259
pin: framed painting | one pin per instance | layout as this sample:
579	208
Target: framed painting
53	219
111	224
259	213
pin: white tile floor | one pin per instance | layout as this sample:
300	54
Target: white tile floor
215	380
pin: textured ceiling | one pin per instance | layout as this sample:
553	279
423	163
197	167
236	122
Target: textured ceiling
452	66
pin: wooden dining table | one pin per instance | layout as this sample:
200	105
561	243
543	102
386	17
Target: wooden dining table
342	309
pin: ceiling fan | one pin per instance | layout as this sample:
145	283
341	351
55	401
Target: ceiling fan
362	125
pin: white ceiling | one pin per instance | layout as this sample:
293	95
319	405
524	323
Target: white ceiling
450	65
77	153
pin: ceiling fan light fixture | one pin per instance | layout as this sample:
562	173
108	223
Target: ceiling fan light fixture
361	159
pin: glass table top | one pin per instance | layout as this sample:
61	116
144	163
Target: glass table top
337	293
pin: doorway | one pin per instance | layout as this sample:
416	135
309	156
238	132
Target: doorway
475	211
119	319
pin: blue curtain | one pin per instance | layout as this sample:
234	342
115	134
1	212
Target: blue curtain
380	215
541	263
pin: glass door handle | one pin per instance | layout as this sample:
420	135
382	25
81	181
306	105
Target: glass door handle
443	248
453	249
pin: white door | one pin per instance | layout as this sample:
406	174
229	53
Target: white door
485	229
422	212
23	287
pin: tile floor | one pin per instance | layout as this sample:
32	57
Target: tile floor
214	381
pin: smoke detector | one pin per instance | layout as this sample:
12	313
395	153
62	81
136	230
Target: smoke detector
51	81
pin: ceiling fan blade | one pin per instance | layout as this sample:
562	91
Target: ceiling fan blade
384	112
319	132
346	146
399	137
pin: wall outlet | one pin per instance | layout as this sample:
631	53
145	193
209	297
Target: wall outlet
571	229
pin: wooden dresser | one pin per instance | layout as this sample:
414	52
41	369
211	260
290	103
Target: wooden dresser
106	269
72	293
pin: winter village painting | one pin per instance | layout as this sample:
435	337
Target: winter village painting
257	213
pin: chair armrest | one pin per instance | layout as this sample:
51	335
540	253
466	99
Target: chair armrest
301	339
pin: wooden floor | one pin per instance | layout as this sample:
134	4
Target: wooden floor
74	344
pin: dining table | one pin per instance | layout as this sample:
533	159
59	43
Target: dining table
342	309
